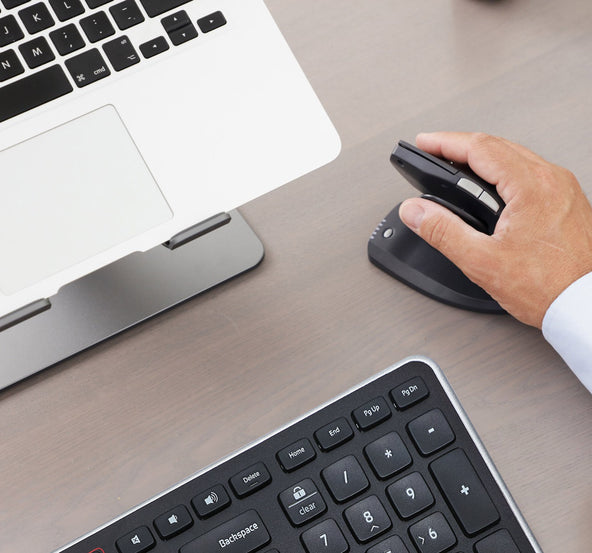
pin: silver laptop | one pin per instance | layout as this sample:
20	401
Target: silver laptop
123	122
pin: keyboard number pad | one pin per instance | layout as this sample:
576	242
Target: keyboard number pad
367	519
325	537
302	502
345	479
410	495
433	534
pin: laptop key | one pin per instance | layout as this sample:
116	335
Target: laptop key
211	22
126	14
175	21
8	4
67	39
121	53
10	66
153	47
92	4
67	9
182	35
88	67
32	91
10	30
157	7
97	26
36	52
36	18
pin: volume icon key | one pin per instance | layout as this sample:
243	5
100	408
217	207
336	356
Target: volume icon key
210	501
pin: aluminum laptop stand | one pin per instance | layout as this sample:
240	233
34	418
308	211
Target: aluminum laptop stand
125	293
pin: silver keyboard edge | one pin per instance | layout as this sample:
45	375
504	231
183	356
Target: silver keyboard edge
447	388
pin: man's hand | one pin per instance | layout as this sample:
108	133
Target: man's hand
543	239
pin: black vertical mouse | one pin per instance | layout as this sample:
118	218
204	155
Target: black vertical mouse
397	250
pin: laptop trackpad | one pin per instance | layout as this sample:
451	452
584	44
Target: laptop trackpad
71	193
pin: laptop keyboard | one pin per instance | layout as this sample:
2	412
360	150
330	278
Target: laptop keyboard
48	50
389	467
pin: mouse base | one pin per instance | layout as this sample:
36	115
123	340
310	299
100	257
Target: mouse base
398	251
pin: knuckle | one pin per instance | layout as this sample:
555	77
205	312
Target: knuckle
481	140
544	174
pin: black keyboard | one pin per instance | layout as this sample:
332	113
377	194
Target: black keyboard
392	466
50	49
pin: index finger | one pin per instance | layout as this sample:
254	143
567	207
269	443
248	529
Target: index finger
492	158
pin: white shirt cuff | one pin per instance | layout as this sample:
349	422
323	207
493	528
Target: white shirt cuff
567	326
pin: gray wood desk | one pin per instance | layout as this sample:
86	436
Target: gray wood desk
92	437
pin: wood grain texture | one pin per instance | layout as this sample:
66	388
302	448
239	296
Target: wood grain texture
90	438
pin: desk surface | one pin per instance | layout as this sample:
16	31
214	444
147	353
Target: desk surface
92	437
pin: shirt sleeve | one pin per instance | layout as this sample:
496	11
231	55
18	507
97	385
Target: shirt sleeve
567	326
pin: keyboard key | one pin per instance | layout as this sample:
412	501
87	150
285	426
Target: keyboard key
409	393
153	47
302	502
10	66
410	495
345	479
121	53
250	480
433	534
464	492
211	501
126	14
243	534
325	537
182	35
393	544
175	21
156	7
10	30
367	519
296	455
173	522
211	22
67	9
88	67
92	4
97	26
499	541
334	434
137	541
67	39
431	432
387	455
36	52
372	413
8	4
32	91
36	18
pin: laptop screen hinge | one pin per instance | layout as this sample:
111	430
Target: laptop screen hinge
24	313
197	230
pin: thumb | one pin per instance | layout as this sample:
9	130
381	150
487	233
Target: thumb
466	247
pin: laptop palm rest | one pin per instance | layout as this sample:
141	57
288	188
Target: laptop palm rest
71	193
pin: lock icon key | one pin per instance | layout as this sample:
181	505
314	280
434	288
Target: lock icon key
298	492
